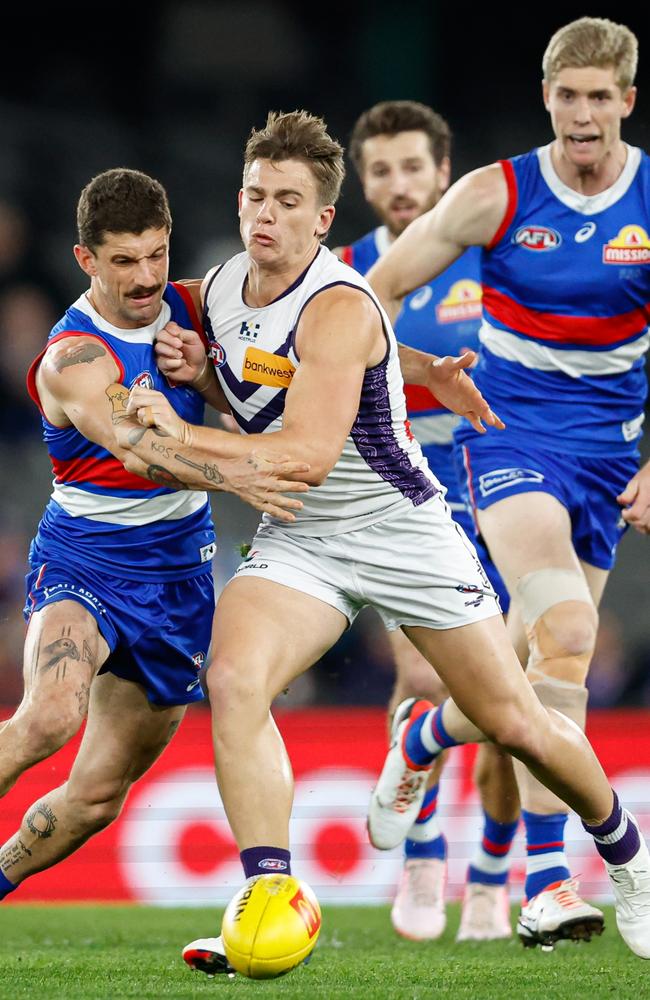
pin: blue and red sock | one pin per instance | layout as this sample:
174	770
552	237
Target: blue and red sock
426	839
546	862
426	737
491	862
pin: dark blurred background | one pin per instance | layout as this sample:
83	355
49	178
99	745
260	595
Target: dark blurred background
173	89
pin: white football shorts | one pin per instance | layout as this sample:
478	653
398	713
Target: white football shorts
414	569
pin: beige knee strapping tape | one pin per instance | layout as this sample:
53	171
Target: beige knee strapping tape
538	591
564	696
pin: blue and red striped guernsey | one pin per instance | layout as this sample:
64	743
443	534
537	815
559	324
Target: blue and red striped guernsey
566	307
100	514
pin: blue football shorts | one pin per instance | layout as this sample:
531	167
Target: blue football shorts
158	633
495	468
442	463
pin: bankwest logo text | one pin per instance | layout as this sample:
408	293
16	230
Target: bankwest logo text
631	246
266	369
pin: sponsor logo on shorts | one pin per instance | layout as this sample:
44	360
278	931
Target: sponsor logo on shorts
502	479
537	238
632	428
265	368
251	565
80	592
193	684
207	552
631	246
585	232
217	354
476	593
273	864
143	381
198	660
462	302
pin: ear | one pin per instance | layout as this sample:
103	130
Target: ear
325	220
444	173
546	93
629	100
85	259
240	198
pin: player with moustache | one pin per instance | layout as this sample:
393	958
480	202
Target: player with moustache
401	151
565	260
321	381
120	596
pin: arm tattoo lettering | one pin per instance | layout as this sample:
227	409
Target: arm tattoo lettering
41	821
82	354
211	472
163	477
13	853
163	449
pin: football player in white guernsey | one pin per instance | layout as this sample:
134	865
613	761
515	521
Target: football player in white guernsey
305	353
401	152
120	596
566	278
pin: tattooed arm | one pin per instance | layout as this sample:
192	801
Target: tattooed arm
77	385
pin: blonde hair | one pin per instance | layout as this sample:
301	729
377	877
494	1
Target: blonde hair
299	135
593	41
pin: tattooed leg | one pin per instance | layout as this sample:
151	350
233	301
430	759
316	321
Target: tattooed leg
63	652
124	736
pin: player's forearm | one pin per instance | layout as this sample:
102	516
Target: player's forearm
293	443
165	461
415	365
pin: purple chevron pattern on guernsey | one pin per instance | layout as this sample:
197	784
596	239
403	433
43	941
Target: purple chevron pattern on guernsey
374	435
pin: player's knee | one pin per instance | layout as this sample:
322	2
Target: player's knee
96	804
561	617
46	727
233	689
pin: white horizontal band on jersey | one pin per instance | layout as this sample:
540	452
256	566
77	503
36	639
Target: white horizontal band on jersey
128	510
543	588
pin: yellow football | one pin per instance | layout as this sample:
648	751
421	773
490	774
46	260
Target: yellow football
270	926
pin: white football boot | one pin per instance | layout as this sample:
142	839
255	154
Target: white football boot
418	912
486	913
397	797
558	913
208	955
631	885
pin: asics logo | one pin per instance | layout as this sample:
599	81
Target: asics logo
585	232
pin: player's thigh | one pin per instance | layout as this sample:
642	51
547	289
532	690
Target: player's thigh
125	733
64	649
526	532
415	676
596	580
266	633
483	675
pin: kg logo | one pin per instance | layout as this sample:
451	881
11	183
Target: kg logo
249	331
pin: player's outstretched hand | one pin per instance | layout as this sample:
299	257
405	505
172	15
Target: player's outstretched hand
455	390
261	481
152	409
180	354
635	500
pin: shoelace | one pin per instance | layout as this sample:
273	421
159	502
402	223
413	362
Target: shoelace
566	894
407	790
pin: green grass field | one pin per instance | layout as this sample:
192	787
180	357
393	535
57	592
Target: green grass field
53	953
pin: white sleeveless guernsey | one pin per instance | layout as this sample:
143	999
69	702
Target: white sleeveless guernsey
381	471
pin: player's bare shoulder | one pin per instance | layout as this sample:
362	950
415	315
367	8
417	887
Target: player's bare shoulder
73	352
344	319
475	205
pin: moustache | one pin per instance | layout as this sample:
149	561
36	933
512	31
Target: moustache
141	292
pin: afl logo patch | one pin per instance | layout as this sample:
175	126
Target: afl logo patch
273	864
537	238
217	353
143	381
